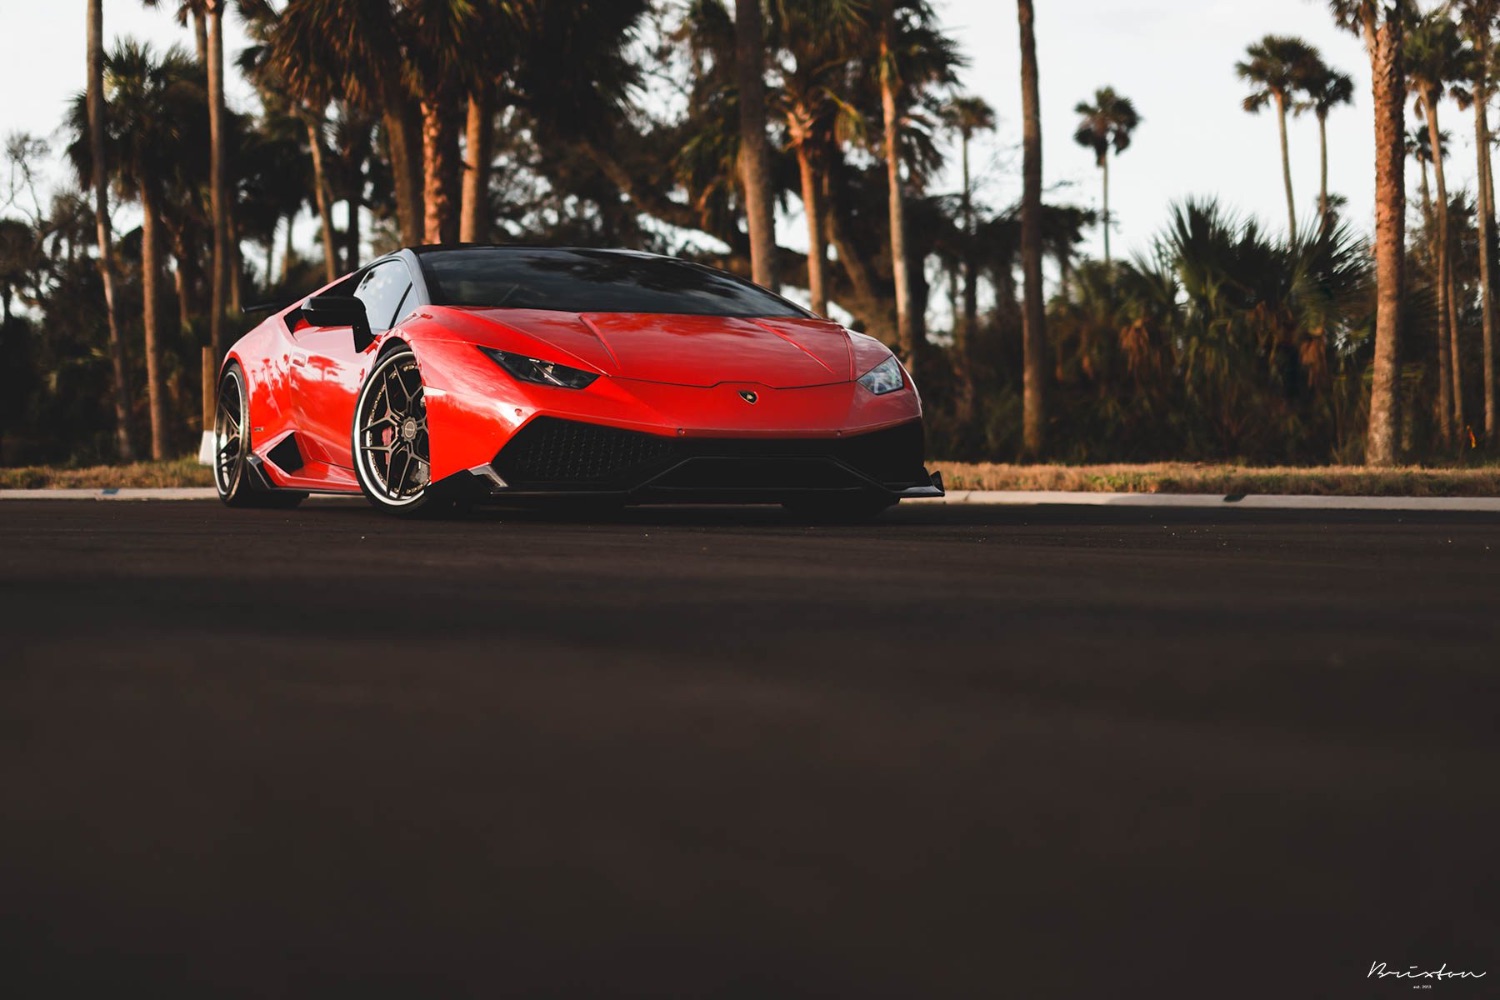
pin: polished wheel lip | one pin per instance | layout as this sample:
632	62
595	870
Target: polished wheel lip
230	418
391	421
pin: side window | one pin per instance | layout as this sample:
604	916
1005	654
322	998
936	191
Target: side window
383	289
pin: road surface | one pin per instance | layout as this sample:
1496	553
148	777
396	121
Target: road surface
965	751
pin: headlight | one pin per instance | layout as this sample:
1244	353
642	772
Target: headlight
884	377
540	372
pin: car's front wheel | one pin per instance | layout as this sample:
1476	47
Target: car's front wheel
233	477
391	446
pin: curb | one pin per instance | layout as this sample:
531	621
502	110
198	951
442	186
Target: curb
1258	501
167	493
1007	498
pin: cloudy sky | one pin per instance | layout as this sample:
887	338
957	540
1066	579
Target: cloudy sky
1174	58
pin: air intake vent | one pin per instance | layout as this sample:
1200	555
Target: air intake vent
286	456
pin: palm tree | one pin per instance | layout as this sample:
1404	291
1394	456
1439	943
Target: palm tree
155	110
909	56
501	23
1106	124
1276	68
442	44
208	19
1034	332
314	50
20	258
1325	89
755	155
1437	60
966	116
1382	30
289	89
889	84
99	183
817	37
1419	148
1479	18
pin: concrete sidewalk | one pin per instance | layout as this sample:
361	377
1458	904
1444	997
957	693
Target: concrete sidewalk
1009	498
1257	501
167	493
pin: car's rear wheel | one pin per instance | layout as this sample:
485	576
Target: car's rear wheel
391	447
233	476
839	508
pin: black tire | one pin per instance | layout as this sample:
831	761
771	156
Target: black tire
840	508
235	481
390	443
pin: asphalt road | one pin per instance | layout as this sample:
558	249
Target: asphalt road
965	751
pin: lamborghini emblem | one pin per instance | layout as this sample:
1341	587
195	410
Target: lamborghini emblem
748	396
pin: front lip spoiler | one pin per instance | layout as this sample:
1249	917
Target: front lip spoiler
496	488
932	490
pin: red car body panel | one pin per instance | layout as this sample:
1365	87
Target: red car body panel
675	376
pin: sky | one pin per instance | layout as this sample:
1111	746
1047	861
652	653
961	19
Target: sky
1174	58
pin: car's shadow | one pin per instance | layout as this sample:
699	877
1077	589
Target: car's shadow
917	516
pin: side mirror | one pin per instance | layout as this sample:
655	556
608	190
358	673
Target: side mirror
340	310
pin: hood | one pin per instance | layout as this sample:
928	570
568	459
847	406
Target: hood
690	350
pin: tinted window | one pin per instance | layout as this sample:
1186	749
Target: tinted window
382	290
591	281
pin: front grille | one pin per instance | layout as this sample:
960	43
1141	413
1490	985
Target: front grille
552	451
555	454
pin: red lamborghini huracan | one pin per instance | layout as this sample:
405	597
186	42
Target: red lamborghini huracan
453	374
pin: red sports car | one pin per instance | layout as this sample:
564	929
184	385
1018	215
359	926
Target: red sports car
452	374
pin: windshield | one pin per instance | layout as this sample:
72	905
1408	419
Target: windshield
591	281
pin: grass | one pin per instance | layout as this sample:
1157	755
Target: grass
1185	477
181	472
1162	477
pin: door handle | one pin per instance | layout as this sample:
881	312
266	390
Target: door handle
299	358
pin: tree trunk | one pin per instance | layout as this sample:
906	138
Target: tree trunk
1455	358
970	266
184	309
905	329
439	168
817	245
151	297
955	306
479	151
1034	331
453	169
213	15
403	133
1286	168
1485	185
200	36
868	302
320	192
1104	219
1325	219
213	20
288	252
755	154
236	271
1383	40
352	235
1444	338
95	100
1428	218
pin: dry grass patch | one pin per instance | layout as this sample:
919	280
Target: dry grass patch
139	475
1184	477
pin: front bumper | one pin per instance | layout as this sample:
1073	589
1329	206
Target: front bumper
552	457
